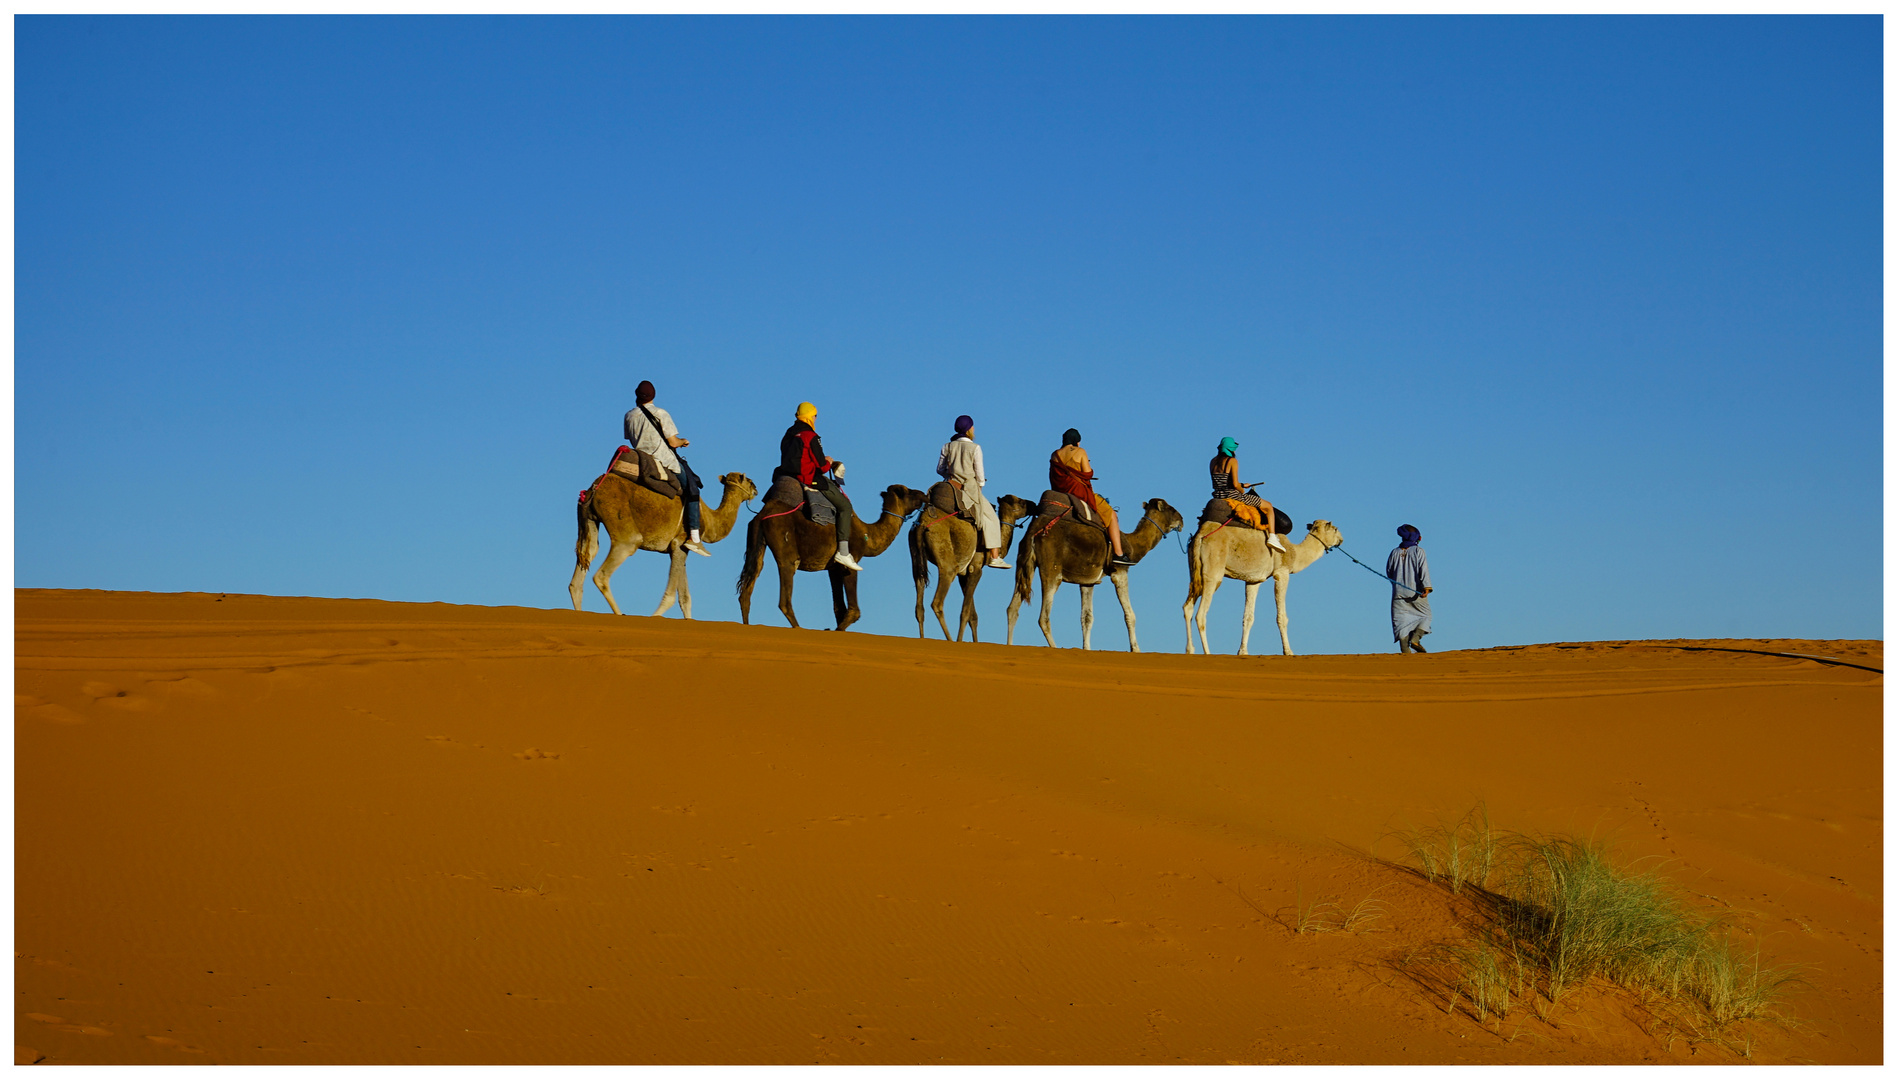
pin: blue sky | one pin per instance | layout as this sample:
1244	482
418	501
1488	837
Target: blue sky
354	306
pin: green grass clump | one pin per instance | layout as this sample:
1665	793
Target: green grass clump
1461	853
1553	913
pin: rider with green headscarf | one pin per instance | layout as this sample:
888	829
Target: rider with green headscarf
1226	485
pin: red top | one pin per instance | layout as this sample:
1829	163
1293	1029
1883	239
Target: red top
1070	481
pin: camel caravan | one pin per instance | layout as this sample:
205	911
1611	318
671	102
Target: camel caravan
648	499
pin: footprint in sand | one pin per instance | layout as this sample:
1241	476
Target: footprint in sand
174	1044
531	754
29	706
186	686
113	697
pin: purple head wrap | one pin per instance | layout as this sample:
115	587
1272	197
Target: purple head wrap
1410	535
963	424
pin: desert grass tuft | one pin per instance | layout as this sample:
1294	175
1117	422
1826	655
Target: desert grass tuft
1552	913
1460	853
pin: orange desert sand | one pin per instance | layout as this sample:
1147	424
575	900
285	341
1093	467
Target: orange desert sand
254	829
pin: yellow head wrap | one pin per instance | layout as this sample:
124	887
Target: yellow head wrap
807	412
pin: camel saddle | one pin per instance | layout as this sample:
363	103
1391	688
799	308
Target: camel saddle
1055	505
641	468
1220	512
786	491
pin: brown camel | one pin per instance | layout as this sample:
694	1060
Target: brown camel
950	544
638	519
798	543
1072	551
1216	553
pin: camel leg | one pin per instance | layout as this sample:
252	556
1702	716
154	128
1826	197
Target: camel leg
1186	612
602	578
583	552
1245	625
1213	582
843	596
685	587
1126	608
1049	583
968	618
1014	608
1280	582
787	576
943	580
1087	617
921	583
673	574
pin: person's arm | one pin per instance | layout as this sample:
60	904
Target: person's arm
1423	570
671	431
943	468
981	480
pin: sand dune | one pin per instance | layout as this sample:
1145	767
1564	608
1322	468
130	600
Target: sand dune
270	830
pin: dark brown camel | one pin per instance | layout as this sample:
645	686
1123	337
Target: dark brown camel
638	519
950	544
798	543
1072	551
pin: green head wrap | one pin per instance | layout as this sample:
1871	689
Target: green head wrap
1228	446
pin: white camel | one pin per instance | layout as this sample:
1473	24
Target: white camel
1215	553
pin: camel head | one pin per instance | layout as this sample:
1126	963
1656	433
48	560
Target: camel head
906	500
737	483
1014	508
1167	518
1326	532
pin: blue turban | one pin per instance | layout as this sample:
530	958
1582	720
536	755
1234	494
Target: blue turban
1410	535
963	424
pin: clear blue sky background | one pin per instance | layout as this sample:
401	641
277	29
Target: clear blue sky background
354	307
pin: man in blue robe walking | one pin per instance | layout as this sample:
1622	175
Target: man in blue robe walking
1409	571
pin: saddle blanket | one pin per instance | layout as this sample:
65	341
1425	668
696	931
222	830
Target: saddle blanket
642	469
943	496
1223	512
1054	502
786	491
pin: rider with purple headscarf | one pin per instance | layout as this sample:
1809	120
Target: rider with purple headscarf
960	463
1409	571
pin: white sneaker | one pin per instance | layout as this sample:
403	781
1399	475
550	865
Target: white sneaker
695	547
843	559
997	564
1272	538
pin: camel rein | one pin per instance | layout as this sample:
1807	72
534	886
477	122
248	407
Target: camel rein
1386	577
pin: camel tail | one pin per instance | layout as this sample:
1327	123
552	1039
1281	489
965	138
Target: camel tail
1194	585
754	556
588	542
918	566
1025	567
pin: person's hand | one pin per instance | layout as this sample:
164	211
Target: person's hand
1427	592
